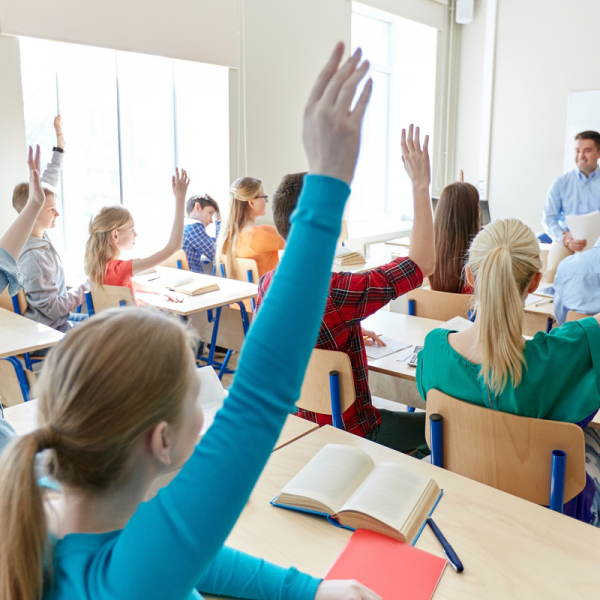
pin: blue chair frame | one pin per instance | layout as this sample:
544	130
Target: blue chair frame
558	470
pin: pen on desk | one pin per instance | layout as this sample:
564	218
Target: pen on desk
448	550
544	302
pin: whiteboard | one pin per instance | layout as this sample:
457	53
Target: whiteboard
583	114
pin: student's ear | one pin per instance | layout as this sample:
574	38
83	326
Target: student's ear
469	276
159	443
114	234
534	283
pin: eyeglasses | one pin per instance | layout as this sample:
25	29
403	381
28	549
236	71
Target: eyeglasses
265	198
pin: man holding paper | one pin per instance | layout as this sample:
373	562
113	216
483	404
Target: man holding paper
575	193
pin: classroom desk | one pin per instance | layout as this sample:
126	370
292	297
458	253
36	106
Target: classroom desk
511	548
19	334
230	291
399	327
23	417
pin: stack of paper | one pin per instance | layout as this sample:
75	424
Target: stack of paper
347	257
585	227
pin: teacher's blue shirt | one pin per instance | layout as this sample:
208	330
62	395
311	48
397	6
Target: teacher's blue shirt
577	284
570	194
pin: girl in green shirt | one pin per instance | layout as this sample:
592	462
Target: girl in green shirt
554	376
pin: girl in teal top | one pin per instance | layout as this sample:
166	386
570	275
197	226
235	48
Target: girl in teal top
118	407
554	376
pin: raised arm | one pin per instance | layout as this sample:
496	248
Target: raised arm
193	516
416	162
180	185
51	174
14	239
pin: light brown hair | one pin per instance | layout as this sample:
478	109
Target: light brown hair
241	191
504	257
457	221
285	199
100	248
21	195
106	385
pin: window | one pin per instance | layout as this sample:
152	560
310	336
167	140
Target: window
129	120
402	54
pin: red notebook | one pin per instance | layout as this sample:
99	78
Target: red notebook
392	569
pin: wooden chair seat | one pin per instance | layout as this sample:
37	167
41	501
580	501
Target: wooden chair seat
505	451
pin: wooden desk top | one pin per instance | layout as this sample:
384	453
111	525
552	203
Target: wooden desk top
403	328
546	309
230	291
19	334
23	417
366	266
511	548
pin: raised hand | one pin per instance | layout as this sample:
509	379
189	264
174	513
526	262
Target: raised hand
331	131
180	184
415	158
36	193
60	140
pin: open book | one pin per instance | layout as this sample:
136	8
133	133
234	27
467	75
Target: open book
344	484
186	282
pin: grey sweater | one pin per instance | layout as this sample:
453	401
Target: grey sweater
48	300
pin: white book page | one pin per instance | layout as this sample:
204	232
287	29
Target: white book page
172	278
331	476
388	494
585	227
390	347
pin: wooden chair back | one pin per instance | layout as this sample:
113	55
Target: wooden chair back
10	390
505	451
171	262
575	316
440	305
6	301
247	264
111	296
231	330
315	394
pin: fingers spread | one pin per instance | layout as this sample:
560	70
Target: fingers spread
361	106
337	81
327	73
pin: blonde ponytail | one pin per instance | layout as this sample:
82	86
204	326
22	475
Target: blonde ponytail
100	248
503	258
92	418
23	529
241	191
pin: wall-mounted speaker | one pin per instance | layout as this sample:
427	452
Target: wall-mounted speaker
464	11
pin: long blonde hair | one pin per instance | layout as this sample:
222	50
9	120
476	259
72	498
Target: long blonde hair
100	248
91	417
241	191
503	258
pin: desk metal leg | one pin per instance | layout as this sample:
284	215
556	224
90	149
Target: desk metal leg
213	340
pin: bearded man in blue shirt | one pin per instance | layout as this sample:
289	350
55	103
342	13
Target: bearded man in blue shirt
575	193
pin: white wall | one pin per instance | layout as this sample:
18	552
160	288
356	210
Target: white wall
545	49
13	150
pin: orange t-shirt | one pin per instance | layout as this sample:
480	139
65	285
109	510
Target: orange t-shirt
120	272
261	243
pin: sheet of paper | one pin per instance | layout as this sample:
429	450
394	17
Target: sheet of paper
390	347
547	291
406	354
531	299
585	227
456	324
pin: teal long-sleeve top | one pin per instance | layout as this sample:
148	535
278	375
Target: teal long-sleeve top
173	544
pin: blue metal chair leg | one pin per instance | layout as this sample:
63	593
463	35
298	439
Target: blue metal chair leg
28	361
336	406
410	409
435	423
411	308
15	303
224	368
213	339
557	480
89	303
549	324
244	314
21	376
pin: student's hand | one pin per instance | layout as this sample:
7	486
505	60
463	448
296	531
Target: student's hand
371	338
60	140
36	193
331	131
415	159
462	176
171	296
180	185
571	244
344	590
217	211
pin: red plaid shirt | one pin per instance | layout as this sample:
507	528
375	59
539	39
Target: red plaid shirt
351	299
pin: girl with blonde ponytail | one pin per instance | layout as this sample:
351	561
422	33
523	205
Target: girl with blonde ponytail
119	406
112	232
241	237
552	376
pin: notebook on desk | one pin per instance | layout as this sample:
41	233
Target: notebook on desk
391	569
343	484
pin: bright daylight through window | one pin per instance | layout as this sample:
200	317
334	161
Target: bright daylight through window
130	119
402	54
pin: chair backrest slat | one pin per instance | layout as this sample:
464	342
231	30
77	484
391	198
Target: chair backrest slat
179	257
506	451
440	305
575	316
111	296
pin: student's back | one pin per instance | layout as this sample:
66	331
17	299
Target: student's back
553	376
457	221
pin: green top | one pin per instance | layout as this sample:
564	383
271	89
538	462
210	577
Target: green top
561	380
